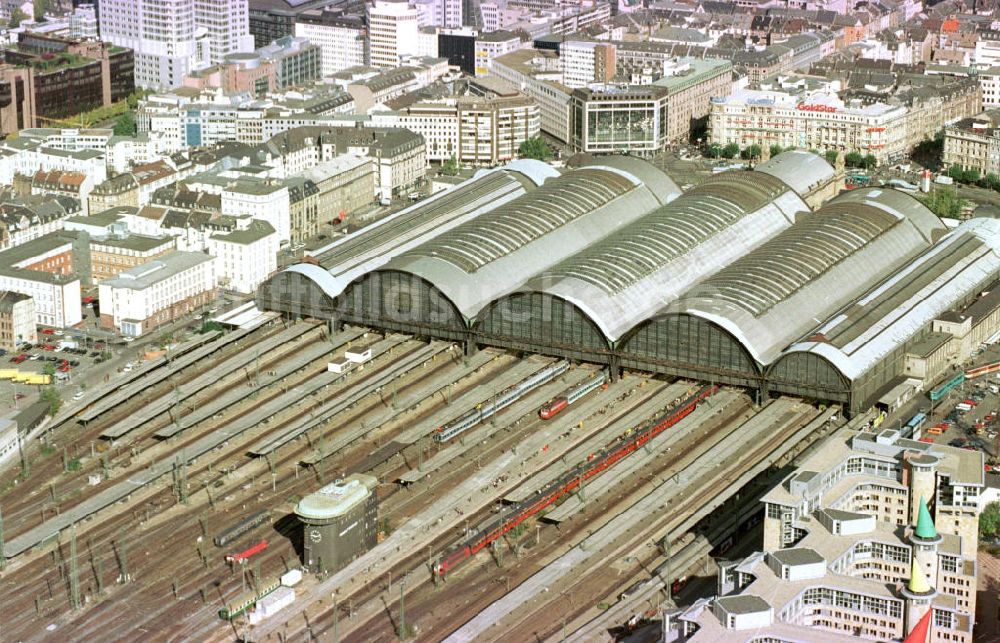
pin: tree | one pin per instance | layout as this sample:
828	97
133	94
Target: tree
989	522
730	151
16	18
928	151
751	152
535	148
870	162
776	150
956	172
990	182
970	176
714	151
50	395
450	167
125	125
944	202
831	156
40	7
49	369
853	159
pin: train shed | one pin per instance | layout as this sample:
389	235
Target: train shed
311	288
439	287
736	281
910	325
739	320
584	305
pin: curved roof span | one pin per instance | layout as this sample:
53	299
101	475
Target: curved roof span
487	257
773	295
654	178
636	271
350	256
889	315
801	171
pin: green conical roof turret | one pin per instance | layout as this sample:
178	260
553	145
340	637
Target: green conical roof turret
925	524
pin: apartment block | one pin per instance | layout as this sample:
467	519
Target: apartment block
17	320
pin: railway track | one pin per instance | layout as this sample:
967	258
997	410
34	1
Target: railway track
174	531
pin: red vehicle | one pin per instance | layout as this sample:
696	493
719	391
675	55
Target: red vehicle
87	300
571	480
247	553
48	347
47	331
970	402
553	407
990	417
928	440
20	358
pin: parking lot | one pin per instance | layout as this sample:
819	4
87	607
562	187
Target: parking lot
81	357
969	418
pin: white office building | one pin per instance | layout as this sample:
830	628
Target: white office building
172	38
246	255
260	199
392	32
158	292
227	23
342	40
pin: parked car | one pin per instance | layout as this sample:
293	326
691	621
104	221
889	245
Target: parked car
78	396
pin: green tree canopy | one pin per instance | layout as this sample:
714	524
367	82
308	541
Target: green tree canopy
125	125
50	395
714	151
40	7
944	202
450	167
870	162
16	18
831	156
776	150
989	522
535	148
751	152
49	369
854	159
730	151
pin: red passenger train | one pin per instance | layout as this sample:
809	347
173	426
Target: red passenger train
566	483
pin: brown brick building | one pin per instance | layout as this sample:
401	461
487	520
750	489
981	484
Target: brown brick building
44	79
110	256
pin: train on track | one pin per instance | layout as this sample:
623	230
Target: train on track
979	371
246	554
246	601
501	401
557	405
571	480
241	528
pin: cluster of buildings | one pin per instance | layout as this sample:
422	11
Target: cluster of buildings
816	113
865	539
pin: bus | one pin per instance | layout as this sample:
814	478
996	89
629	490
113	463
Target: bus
914	425
857	181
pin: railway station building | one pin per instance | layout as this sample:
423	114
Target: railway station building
752	278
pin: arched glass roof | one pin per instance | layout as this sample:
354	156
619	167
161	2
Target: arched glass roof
514	225
771	296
